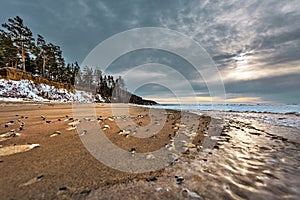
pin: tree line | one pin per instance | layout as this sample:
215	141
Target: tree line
20	50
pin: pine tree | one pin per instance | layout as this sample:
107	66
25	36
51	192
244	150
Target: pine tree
41	53
88	77
8	52
21	36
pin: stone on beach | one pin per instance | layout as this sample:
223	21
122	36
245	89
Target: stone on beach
8	135
13	149
71	128
55	133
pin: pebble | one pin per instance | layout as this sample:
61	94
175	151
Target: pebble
106	126
71	128
55	133
133	150
123	132
73	123
150	156
40	176
63	188
151	179
170	146
110	119
84	132
85	192
48	121
179	180
189	194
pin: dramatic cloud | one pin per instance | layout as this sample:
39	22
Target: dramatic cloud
255	44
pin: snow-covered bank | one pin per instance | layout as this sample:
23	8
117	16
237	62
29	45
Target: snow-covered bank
27	90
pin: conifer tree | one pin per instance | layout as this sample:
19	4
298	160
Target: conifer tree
8	52
21	36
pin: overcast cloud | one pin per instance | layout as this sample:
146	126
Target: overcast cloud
255	44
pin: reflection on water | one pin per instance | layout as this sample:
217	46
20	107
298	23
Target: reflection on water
252	160
249	163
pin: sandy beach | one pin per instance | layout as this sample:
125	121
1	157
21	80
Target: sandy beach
42	156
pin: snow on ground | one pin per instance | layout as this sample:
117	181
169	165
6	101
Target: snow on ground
27	90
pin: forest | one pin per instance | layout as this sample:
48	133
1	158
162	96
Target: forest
19	49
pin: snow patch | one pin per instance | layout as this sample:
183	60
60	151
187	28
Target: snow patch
27	90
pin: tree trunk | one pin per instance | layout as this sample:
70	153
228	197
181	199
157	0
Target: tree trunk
23	57
43	67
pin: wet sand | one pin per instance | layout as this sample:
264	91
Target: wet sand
54	163
251	160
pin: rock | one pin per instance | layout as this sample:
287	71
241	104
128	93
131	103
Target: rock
106	126
123	132
87	119
133	150
71	128
74	123
151	179
63	188
85	192
170	146
39	176
32	181
48	121
84	132
179	180
190	194
255	133
55	133
150	156
111	119
8	135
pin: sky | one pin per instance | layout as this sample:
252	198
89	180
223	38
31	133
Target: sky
254	44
